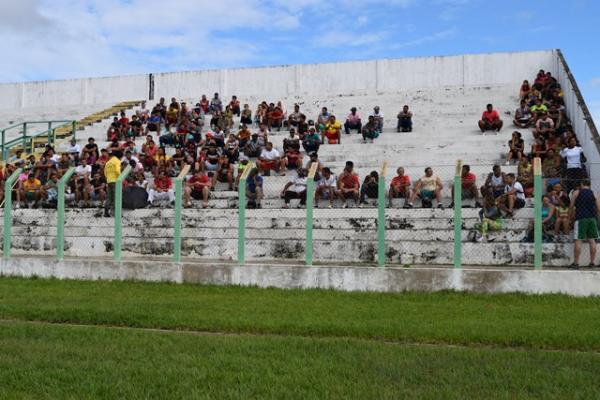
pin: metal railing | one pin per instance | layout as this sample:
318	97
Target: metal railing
27	141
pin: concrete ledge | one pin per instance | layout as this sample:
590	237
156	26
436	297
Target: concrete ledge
576	283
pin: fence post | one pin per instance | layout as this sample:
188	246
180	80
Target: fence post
4	152
24	135
178	197
242	215
74	129
537	203
8	185
457	198
310	203
119	212
381	216
60	214
49	132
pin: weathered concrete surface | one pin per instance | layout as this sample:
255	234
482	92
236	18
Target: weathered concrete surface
576	283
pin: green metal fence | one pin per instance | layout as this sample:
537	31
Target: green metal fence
26	140
376	230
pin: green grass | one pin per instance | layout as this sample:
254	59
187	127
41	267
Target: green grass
289	344
48	362
537	322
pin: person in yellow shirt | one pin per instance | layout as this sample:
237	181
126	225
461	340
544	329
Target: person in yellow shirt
31	189
332	130
112	170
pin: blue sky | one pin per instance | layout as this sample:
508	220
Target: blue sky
53	39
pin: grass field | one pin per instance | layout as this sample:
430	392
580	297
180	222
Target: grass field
68	339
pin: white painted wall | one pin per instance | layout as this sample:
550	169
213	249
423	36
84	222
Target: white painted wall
272	82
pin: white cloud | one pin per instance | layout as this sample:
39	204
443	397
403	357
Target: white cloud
441	35
345	38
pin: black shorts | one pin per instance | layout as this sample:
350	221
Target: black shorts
348	195
519	203
196	194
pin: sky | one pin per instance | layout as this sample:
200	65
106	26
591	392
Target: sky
57	39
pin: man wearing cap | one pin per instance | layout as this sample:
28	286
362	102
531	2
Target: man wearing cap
353	121
312	141
378	118
112	170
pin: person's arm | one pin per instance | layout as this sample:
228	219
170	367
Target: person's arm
551	212
438	182
572	205
285	188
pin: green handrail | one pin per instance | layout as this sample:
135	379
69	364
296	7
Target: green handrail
8	185
457	198
50	133
537	204
381	216
177	224
60	214
119	213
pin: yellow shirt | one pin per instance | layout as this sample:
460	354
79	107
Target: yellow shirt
429	183
112	169
31	186
333	127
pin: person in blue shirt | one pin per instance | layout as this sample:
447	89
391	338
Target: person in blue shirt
254	187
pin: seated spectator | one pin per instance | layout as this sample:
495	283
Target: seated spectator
275	118
556	193
369	188
74	150
49	191
404	120
43	168
326	187
254	188
322	119
348	185
162	160
246	117
302	127
491	219
538	108
353	121
312	141
427	188
516	148
563	219
371	130
538	148
513	197
525	176
97	189
551	165
400	186
544	127
232	149
224	172
83	174
64	164
227	119
31	190
155	123
295	189
263	134
494	183
244	135
242	165
269	159
525	90
291	142
490	120
557	117
234	104
292	159
523	117
295	117
204	104
332	131
211	158
197	187
162	189
378	118
216	105
253	147
469	186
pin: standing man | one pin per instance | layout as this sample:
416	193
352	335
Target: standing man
584	206
112	170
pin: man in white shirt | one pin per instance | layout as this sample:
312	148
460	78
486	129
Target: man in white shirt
326	187
268	160
295	189
83	172
74	150
574	157
514	196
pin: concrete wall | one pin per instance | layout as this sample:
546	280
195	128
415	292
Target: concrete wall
282	81
576	283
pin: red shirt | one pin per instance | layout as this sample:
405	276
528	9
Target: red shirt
402	181
198	182
468	180
163	183
349	181
124	121
490	115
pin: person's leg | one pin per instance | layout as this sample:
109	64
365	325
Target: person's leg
356	196
287	196
187	194
302	196
482	126
363	193
205	194
347	127
151	195
438	196
259	195
511	203
577	251
592	243
171	194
